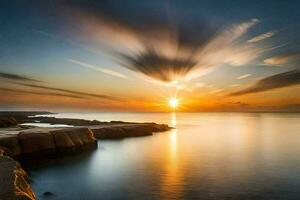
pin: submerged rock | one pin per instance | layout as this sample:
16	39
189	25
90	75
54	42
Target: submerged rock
48	194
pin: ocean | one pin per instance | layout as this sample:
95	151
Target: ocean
211	156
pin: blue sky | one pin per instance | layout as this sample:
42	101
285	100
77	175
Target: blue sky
209	54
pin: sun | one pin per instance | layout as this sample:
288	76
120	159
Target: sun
173	103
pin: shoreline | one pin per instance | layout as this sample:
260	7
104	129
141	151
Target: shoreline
19	142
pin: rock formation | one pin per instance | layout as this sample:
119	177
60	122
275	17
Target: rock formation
24	142
33	143
7	122
14	180
42	142
123	130
70	140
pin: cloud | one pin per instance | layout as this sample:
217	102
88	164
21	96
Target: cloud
15	77
26	81
216	91
281	80
262	37
92	67
283	59
180	87
244	76
239	103
40	93
288	107
164	65
29	82
277	108
199	84
157	66
132	26
163	46
68	91
71	93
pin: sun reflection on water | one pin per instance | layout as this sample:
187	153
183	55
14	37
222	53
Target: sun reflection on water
172	181
173	119
173	138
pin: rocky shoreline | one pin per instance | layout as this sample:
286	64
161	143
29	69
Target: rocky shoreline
18	142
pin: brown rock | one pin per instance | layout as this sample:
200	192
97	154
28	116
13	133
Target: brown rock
70	140
14	180
159	127
137	130
127	130
8	121
11	143
109	132
36	143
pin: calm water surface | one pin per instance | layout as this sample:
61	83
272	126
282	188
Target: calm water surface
208	156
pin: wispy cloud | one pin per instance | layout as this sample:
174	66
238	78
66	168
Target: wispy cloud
281	80
32	83
262	37
239	103
99	69
40	93
216	91
199	84
16	77
244	76
282	60
68	91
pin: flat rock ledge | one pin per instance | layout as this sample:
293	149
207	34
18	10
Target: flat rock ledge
32	143
43	142
124	130
40	142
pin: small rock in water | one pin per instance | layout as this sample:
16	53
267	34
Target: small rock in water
48	194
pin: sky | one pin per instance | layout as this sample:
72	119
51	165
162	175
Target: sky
133	56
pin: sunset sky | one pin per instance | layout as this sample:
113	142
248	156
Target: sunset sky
121	55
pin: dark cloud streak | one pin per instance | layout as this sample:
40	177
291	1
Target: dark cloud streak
157	66
15	77
281	80
40	93
28	82
67	91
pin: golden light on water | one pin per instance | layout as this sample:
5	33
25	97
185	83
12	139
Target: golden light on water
173	103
